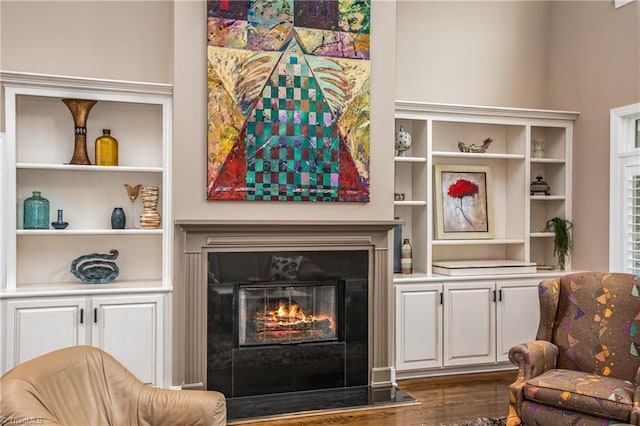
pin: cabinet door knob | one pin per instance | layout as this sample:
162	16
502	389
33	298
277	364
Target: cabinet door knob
81	316
95	315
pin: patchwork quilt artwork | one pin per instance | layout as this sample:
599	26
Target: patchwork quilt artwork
288	100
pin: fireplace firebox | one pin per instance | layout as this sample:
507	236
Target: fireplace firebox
274	329
275	313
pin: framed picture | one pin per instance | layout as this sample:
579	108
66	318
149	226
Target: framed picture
463	202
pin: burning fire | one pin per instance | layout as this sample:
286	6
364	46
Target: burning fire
287	314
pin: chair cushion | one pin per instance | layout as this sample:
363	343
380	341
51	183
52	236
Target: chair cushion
534	414
582	392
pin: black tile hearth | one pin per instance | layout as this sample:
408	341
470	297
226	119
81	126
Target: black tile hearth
260	406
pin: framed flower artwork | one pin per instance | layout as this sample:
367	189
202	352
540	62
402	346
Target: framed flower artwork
463	208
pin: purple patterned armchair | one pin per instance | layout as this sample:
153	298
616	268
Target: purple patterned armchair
583	369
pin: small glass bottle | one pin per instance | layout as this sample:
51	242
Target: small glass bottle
106	149
36	212
406	257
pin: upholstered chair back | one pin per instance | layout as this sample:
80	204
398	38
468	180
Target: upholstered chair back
594	319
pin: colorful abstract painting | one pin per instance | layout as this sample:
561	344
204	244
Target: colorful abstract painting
288	100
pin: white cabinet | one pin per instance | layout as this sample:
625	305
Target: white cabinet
462	326
469	323
36	326
129	327
418	329
44	307
517	314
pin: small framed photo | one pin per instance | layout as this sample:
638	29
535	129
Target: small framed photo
463	208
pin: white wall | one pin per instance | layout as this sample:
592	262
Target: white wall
473	52
573	55
594	66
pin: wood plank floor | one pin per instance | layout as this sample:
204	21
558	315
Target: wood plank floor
443	401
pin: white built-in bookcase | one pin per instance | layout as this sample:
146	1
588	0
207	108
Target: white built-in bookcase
518	217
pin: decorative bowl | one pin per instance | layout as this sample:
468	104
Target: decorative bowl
96	268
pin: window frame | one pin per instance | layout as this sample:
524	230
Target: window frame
624	155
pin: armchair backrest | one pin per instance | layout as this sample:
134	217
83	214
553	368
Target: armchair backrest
76	385
594	319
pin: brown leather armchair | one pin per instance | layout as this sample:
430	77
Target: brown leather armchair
83	385
584	367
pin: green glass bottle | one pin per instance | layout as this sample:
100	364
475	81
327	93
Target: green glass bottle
36	212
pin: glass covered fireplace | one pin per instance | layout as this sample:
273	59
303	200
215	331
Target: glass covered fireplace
294	312
273	329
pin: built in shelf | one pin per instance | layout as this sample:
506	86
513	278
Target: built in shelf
548	197
88	168
63	232
495	241
410	159
543	234
410	203
77	288
485	155
548	160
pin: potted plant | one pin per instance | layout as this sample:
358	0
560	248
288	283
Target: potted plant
562	239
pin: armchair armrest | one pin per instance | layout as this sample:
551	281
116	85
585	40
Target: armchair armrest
157	407
532	358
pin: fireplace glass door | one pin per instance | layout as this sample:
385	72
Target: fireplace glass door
274	314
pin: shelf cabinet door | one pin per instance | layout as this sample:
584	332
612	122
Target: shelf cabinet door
418	326
35	327
469	323
518	315
129	328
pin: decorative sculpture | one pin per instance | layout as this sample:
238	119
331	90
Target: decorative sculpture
475	148
96	268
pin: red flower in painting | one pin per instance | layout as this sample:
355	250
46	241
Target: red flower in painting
460	189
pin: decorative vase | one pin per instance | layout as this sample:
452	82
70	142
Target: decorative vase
150	218
403	141
537	146
106	149
132	193
60	223
80	111
36	212
118	218
406	260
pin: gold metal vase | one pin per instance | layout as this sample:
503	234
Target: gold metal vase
80	111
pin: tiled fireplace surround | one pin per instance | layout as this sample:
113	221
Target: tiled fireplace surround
198	238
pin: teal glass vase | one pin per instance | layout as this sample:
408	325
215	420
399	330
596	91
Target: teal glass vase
36	212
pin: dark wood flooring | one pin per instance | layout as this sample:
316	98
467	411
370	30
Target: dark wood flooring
443	401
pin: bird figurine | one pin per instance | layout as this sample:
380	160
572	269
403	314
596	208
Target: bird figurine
475	148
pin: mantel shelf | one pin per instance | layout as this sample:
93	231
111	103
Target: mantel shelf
88	168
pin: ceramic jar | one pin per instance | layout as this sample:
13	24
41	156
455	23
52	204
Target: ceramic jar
403	142
118	218
150	218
